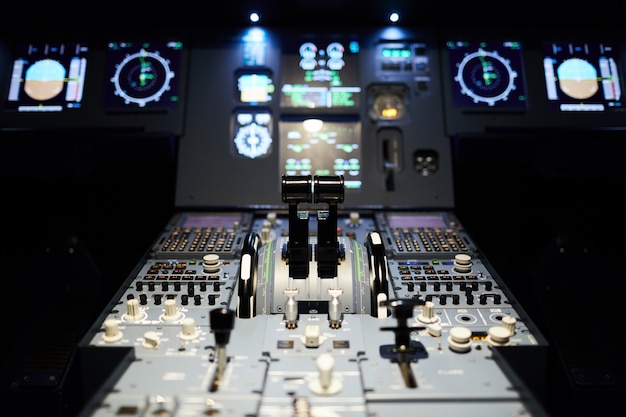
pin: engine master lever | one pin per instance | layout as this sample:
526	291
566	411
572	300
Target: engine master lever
222	322
404	351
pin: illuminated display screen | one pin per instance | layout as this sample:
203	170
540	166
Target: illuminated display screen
582	76
47	77
254	87
252	132
142	75
322	147
487	75
225	220
321	73
415	220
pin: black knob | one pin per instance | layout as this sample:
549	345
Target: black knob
222	322
402	311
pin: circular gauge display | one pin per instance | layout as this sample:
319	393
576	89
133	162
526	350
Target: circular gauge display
486	77
142	77
253	140
308	56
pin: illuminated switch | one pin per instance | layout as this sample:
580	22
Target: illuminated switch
312	336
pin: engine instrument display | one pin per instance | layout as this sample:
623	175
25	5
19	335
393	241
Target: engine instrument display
322	147
321	73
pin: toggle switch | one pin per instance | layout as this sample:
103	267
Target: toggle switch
325	383
312	338
291	307
334	307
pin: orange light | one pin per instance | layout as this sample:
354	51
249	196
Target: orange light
390	113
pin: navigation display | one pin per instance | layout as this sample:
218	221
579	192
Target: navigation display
487	75
142	74
47	77
321	73
582	76
322	147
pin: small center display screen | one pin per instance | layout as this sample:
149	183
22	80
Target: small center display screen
321	73
322	147
254	87
47	77
582	76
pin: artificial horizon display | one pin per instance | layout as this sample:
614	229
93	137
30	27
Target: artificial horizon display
582	76
47	77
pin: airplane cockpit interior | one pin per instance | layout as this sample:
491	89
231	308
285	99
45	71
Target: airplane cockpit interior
313	208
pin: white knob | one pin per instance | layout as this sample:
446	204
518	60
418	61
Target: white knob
428	313
211	263
508	322
111	331
133	313
434	329
462	263
171	314
498	336
189	330
460	339
151	340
